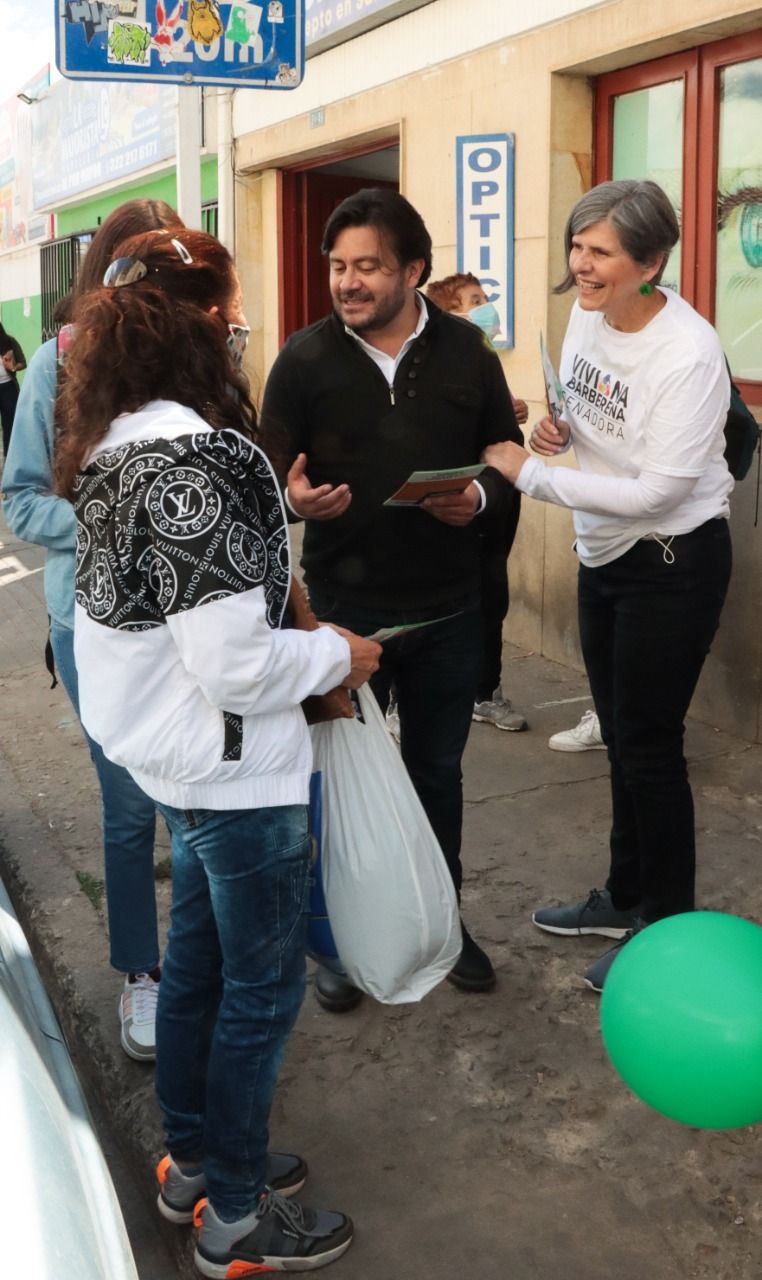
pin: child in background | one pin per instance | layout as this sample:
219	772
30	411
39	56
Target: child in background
462	294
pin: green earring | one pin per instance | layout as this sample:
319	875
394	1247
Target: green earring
646	288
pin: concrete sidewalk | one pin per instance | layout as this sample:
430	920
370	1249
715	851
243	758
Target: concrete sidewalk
471	1137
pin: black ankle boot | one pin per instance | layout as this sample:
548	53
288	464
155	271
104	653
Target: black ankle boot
335	992
473	972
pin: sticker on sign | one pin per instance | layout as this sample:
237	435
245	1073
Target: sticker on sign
241	44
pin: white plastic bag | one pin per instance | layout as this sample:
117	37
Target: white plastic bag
391	901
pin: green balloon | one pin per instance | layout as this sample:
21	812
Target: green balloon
681	1016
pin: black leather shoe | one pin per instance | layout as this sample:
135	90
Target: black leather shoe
335	992
473	972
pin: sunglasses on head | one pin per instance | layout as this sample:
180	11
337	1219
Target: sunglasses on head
124	271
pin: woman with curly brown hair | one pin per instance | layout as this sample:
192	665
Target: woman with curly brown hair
189	680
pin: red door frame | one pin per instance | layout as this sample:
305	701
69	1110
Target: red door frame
677	66
291	215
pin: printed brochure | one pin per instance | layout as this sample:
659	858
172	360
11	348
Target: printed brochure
431	484
554	392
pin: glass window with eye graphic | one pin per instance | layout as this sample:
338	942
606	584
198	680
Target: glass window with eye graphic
738	297
648	143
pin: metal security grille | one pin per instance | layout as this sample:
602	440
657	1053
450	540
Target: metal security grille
209	218
59	264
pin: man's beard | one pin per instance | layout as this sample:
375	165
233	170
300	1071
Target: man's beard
381	314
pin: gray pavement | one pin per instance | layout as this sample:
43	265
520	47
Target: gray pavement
469	1136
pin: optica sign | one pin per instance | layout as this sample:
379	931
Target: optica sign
485	232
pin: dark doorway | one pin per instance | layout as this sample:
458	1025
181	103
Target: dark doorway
308	197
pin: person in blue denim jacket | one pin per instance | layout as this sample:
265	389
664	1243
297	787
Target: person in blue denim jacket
35	514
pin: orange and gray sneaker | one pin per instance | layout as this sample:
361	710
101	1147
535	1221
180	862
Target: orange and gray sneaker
180	1190
280	1235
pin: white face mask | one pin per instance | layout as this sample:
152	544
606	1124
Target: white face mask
238	337
486	317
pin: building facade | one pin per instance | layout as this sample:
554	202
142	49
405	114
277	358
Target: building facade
492	118
584	92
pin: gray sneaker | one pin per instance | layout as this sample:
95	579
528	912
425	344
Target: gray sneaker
280	1235
597	973
179	1192
596	914
500	712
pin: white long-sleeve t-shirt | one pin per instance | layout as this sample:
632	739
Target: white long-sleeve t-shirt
647	413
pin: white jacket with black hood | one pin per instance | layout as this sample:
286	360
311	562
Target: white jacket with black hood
186	677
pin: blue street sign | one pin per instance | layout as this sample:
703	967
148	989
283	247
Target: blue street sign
244	44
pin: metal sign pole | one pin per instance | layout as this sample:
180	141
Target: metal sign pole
225	170
189	155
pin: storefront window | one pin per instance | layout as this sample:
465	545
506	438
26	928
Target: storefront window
692	121
738	287
648	143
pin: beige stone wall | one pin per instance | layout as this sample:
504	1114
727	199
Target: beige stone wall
538	87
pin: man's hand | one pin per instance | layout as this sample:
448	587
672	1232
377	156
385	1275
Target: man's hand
507	458
323	503
365	656
550	436
457	509
521	409
10	362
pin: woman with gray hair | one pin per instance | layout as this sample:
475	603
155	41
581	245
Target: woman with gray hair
646	395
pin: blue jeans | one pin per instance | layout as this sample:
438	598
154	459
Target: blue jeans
646	625
231	988
435	672
129	822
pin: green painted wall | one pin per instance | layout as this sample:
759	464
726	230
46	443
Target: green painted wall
85	217
90	213
25	329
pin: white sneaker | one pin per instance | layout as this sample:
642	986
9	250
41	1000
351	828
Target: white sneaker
585	736
137	1014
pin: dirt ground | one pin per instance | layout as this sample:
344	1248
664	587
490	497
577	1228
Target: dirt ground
470	1137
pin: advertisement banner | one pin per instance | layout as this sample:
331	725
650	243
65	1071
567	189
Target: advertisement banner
484	179
330	22
18	223
87	134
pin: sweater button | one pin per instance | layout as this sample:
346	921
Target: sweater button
412	374
412	393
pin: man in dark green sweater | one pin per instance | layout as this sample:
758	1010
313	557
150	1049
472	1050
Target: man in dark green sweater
387	385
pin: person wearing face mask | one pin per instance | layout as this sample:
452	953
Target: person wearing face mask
462	295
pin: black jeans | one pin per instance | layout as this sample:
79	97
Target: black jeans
9	394
646	623
434	671
495	596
